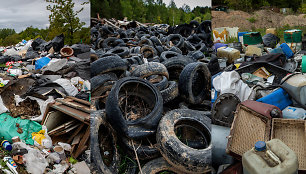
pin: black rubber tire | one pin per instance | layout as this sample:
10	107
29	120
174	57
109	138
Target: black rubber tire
184	30
175	152
108	64
161	85
189	77
158	165
98	120
148	51
202	47
141	127
139	59
175	66
144	152
171	92
179	43
159	50
196	55
108	42
131	61
175	49
168	55
205	27
99	80
194	39
120	51
135	50
189	46
194	24
103	90
151	68
155	41
145	41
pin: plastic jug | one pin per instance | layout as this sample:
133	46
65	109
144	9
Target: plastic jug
295	85
279	98
273	157
291	112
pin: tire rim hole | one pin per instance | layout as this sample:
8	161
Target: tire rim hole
174	73
192	134
198	84
136	101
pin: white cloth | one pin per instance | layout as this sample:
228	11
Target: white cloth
230	82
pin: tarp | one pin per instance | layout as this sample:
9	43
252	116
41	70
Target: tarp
9	127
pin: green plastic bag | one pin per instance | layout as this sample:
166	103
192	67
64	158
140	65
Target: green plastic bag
8	128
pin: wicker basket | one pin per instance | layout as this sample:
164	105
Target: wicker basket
293	133
248	127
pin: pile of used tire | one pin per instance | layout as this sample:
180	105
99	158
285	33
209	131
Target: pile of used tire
151	89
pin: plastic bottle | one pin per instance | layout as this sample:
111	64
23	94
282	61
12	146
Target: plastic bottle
10	163
273	157
291	112
6	145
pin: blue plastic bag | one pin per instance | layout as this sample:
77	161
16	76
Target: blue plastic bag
42	62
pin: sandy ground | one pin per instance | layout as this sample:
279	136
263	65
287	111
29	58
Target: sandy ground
263	19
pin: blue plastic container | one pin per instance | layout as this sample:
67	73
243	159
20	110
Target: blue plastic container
291	112
287	51
219	45
279	98
240	34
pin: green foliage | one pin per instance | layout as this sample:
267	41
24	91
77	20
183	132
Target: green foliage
11	39
231	40
249	5
63	19
252	19
148	11
302	9
6	32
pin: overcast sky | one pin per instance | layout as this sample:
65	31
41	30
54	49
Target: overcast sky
191	3
20	14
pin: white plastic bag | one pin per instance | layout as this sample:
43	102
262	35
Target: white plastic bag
35	162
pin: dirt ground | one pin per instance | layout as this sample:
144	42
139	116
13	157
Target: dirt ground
263	19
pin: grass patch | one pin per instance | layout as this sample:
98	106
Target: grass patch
252	19
231	40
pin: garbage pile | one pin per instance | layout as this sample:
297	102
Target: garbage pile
259	103
41	84
151	90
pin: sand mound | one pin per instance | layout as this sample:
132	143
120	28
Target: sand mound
263	19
